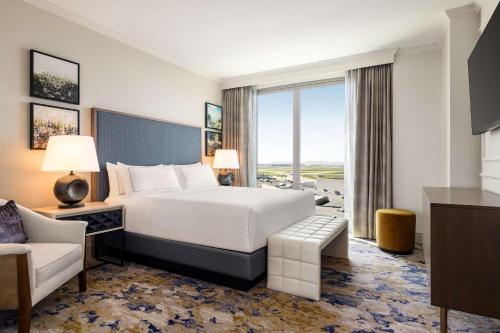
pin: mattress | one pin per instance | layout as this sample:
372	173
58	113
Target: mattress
231	218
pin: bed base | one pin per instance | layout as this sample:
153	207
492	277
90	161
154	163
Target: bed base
200	274
232	269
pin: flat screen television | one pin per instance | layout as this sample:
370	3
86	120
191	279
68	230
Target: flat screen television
484	78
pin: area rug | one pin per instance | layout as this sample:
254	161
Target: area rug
371	292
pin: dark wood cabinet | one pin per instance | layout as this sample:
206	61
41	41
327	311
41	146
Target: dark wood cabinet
462	250
99	222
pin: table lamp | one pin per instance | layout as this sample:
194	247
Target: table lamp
226	159
70	153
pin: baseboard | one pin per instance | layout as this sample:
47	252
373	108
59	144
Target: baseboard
419	238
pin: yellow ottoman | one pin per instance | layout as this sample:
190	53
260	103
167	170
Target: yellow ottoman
395	230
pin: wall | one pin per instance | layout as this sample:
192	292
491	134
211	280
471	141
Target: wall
433	144
464	147
490	173
463	150
487	9
419	140
491	141
113	76
445	89
316	71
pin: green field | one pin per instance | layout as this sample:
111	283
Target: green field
310	172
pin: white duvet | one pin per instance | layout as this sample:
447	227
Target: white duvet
232	218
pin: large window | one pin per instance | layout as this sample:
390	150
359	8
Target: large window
275	135
301	141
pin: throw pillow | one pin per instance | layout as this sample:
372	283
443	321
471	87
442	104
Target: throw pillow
11	225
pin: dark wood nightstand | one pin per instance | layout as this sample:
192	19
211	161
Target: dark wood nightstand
100	216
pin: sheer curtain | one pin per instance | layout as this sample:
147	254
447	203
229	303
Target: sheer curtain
369	146
239	131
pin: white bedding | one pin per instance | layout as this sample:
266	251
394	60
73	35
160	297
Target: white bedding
232	218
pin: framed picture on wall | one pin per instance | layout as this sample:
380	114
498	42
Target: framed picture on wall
213	116
213	141
47	120
54	78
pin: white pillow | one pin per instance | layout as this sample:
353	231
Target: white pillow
114	188
177	169
124	180
201	175
153	178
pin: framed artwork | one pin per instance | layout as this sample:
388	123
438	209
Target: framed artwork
47	120
54	78
213	141
213	116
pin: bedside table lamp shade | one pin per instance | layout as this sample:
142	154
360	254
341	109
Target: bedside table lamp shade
226	159
69	153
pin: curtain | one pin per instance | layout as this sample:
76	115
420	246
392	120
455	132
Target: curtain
239	131
369	146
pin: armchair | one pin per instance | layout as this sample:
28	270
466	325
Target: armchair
54	253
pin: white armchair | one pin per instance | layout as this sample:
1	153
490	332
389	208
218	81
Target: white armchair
54	253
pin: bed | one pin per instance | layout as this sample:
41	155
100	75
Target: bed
217	234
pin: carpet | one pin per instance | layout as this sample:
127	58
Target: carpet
372	292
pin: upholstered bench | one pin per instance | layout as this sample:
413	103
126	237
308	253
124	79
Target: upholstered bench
294	254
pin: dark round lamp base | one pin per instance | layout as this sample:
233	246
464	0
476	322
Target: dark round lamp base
70	190
225	178
66	206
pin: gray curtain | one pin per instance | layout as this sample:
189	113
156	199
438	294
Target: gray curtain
239	131
369	153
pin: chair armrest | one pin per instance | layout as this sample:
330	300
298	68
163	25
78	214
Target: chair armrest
20	249
42	229
14	248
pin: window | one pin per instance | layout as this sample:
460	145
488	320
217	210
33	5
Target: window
301	141
275	137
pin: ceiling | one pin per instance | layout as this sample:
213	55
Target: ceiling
226	38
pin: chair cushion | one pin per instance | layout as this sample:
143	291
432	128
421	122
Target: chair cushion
49	259
11	226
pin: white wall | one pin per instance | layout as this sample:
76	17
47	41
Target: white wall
419	141
433	144
487	9
113	76
463	150
320	70
491	140
490	174
445	89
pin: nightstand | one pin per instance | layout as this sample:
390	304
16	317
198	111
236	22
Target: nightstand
100	216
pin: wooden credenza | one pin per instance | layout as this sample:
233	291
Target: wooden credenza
462	250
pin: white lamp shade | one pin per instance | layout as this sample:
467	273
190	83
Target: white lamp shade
226	159
70	153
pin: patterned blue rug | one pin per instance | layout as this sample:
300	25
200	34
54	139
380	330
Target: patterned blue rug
371	292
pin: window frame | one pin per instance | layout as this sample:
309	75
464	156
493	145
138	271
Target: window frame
296	90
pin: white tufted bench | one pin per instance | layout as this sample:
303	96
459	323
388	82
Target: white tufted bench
294	254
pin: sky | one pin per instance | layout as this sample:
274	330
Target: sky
322	125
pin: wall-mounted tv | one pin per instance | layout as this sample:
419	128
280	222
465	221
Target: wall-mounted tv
484	78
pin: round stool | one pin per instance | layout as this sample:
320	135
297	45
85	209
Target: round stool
395	230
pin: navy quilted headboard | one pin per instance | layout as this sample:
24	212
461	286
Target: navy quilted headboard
137	140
